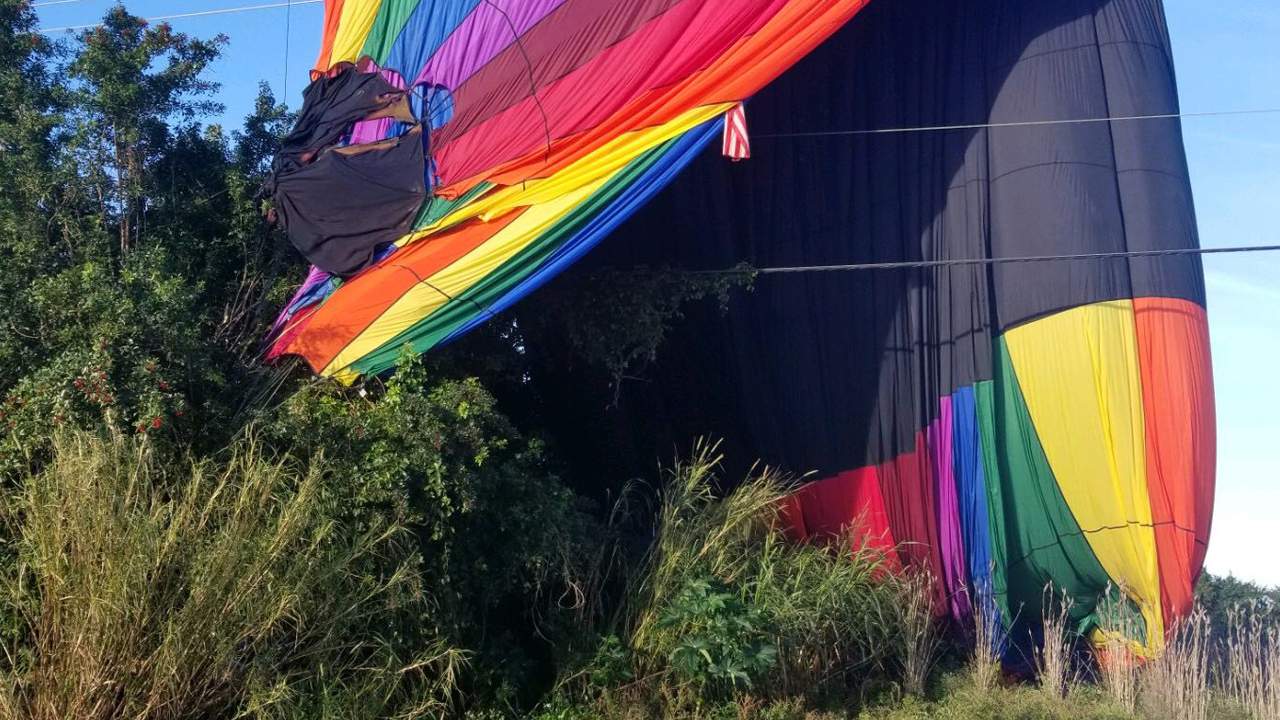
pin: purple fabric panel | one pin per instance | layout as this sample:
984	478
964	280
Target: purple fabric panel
315	277
948	508
486	32
367	131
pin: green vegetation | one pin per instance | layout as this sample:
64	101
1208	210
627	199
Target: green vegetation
185	532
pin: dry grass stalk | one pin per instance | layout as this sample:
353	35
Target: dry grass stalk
154	593
1253	662
1054	665
1175	684
988	643
1117	662
921	639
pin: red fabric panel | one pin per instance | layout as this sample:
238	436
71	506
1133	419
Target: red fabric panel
624	58
365	297
1181	451
849	502
608	97
571	36
906	482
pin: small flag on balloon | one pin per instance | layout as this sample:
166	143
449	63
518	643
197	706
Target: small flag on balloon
737	146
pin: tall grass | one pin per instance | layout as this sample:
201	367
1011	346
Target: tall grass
1175	683
828	610
1053	658
148	592
988	643
1119	665
921	639
1252	672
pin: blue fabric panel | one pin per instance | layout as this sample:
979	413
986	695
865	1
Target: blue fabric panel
678	156
424	32
971	492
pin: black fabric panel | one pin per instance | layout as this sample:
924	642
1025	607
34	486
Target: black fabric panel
330	105
831	371
339	209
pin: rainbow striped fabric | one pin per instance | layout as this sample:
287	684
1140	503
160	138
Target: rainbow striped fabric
551	122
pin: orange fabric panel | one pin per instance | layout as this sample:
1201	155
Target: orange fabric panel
332	18
1177	396
749	65
366	296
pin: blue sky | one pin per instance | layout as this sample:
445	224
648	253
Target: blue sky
1227	59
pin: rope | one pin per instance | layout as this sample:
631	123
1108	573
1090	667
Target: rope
983	261
1023	123
201	13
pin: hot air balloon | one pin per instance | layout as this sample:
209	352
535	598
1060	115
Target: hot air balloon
1004	423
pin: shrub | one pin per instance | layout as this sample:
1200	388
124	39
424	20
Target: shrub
210	589
722	602
498	535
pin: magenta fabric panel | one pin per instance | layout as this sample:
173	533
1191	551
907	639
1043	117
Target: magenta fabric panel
367	131
950	533
490	29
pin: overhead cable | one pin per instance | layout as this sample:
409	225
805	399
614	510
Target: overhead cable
1017	124
914	264
199	13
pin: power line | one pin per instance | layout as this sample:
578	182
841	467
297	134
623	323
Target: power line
913	264
54	2
200	13
1023	123
288	19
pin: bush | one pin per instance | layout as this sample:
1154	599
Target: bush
722	603
206	590
497	533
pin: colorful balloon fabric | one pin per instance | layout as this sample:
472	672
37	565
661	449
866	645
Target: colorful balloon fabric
551	121
1004	425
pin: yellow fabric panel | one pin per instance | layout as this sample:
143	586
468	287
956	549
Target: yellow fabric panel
357	18
450	282
1079	372
600	163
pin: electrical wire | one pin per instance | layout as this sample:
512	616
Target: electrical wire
199	13
916	264
1017	124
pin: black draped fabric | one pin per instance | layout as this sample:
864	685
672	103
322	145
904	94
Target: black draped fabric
1010	424
831	371
331	104
340	208
338	205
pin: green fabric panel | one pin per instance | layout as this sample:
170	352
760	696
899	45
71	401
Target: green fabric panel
984	400
1038	539
436	208
429	331
391	18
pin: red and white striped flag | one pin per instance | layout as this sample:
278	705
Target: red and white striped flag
737	146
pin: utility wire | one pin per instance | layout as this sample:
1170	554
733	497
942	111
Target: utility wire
200	13
288	17
54	2
911	264
1023	123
